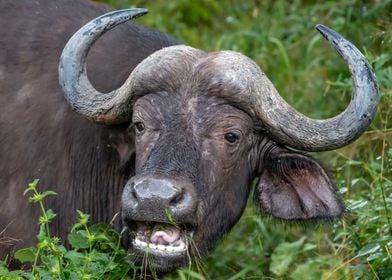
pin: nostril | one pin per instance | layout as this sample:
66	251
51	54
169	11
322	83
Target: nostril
177	198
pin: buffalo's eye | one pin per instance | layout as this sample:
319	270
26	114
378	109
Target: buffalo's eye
139	126
232	137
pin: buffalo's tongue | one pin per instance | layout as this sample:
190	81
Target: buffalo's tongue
164	235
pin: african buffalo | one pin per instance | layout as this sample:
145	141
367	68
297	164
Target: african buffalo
163	131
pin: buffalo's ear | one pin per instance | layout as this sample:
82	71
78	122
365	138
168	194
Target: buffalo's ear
295	187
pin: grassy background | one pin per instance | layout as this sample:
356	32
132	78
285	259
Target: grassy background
279	35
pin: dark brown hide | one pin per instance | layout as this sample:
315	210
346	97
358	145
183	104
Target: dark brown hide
198	145
40	137
187	113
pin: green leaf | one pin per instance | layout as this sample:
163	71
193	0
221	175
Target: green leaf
307	271
189	274
83	218
169	217
99	228
369	249
31	187
42	233
78	239
76	226
26	254
75	257
357	204
309	247
101	237
353	162
283	256
62	249
50	214
50	261
102	258
48	193
36	198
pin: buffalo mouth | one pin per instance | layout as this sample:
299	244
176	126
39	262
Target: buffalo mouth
160	238
161	246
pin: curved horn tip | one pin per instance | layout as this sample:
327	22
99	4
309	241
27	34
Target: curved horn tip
138	11
125	14
72	71
327	32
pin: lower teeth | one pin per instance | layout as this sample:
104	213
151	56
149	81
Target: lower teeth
163	248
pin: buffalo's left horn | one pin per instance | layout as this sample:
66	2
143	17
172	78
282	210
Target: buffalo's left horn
105	108
288	126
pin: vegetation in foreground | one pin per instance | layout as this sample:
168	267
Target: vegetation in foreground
281	38
95	251
309	74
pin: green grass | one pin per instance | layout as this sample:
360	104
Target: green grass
279	35
94	252
310	75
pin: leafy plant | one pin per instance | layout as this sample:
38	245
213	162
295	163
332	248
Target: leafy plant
279	36
95	251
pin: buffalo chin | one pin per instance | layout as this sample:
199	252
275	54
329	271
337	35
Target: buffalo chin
159	247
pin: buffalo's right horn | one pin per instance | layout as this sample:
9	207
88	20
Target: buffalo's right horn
296	130
286	125
105	108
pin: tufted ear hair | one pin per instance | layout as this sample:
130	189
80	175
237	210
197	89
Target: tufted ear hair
296	187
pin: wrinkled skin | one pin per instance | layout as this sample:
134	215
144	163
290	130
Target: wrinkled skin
200	155
189	132
41	137
192	147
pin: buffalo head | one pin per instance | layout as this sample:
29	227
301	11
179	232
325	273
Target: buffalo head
203	127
